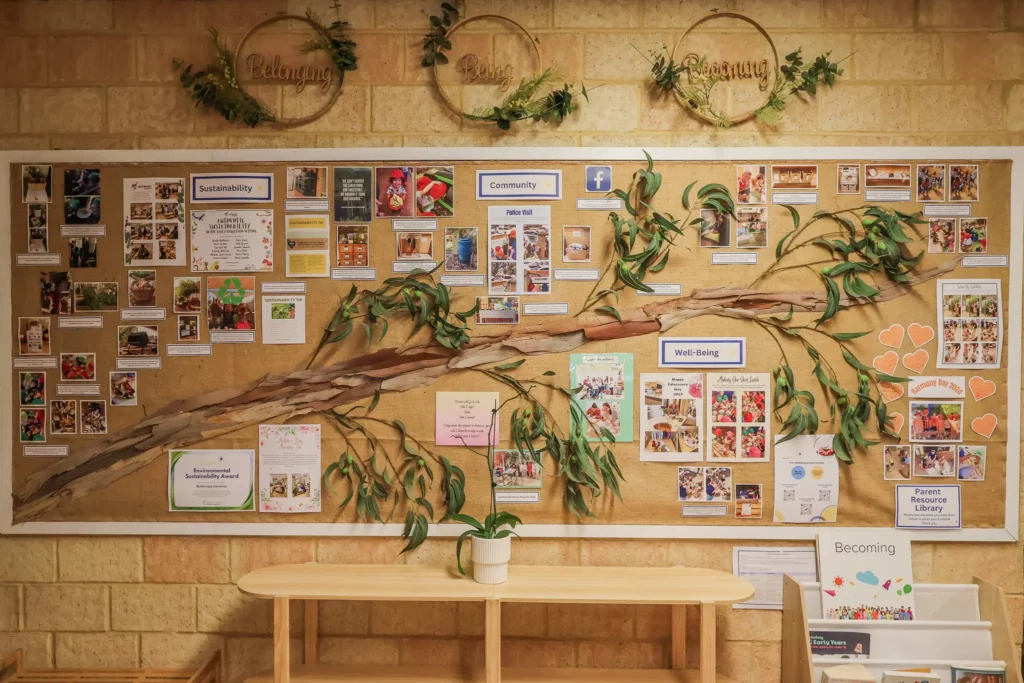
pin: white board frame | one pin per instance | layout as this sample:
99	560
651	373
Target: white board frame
1013	331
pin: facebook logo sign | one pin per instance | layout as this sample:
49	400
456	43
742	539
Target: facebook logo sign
599	178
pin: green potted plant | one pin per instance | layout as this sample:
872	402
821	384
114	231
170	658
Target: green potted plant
492	538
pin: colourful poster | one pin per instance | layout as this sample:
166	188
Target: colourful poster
671	417
232	241
605	394
290	468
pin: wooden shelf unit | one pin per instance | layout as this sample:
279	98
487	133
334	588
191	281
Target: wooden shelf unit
955	625
310	583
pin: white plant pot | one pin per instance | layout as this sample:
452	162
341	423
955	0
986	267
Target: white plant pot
490	559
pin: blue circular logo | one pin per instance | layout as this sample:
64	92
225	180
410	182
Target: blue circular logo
799	472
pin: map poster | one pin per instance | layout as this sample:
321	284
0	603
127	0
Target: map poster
232	241
605	397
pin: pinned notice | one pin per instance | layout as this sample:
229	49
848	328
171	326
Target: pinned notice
702	352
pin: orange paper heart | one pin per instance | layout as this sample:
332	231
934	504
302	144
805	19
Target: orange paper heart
916	361
896	422
981	388
920	334
886	363
892	336
890	391
985	425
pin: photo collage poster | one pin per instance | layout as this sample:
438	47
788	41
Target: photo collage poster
519	249
289	468
971	321
739	417
671	417
605	396
154	222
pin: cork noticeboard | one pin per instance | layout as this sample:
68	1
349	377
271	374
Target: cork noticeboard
137	502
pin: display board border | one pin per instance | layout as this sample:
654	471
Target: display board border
1009	532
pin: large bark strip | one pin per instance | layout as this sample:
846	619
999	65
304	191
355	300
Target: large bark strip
281	397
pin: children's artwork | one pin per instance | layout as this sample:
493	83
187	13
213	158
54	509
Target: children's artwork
715	229
935	461
435	191
188	328
232	240
887	176
63	418
138	340
93	416
188	295
84	252
460	249
81	196
290	468
892	336
935	421
806	479
942	236
971	322
896	464
394	195
284	319
414	246
971	463
748	501
752	226
154	222
985	425
739	417
141	288
36	184
32	386
605	396
517	470
575	243
78	367
56	293
916	361
691	482
981	388
124	388
497	310
231	302
353	194
211	480
751	184
973	235
920	334
33	336
95	296
353	246
670	417
519	249
38	228
848	176
964	185
931	182
866	575
794	177
32	423
307	239
463	418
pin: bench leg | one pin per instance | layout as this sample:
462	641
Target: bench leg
492	641
282	655
707	643
311	629
678	636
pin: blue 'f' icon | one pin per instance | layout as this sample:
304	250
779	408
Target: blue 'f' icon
599	178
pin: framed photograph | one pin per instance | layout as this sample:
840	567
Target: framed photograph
124	388
964	185
848	179
752	184
931	182
896	462
942	236
460	249
973	235
435	191
971	463
93	417
63	417
394	196
715	229
497	310
794	177
936	421
935	461
78	367
887	175
575	244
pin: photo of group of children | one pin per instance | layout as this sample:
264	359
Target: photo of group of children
931	182
64	414
601	391
963	183
751	221
506	259
705	484
405	192
738	417
671	417
32	386
516	470
945	238
78	367
231	302
154	221
936	421
971	323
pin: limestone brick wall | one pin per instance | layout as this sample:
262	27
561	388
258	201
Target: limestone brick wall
92	74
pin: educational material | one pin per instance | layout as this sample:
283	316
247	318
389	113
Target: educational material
866	575
970	317
806	480
464	418
290	468
353	194
519	249
211	480
960	675
307	240
232	241
435	191
848	673
928	506
154	222
739	417
353	246
460	249
248	187
605	398
284	319
702	352
841	644
764	567
671	417
394	196
82	196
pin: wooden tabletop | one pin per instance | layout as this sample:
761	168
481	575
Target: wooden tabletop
634	585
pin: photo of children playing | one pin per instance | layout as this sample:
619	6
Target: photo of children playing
934	461
33	424
63	417
78	367
715	229
123	388
935	421
896	462
230	303
750	185
94	417
718	484
973	235
963	183
752	227
971	463
601	388
942	236
691	484
970	329
931	183
516	470
33	389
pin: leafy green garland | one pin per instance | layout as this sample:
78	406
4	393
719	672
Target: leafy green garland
217	88
792	78
522	104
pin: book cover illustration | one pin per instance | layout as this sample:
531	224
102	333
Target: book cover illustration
841	644
866	575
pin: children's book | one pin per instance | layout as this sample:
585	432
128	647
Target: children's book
866	575
847	673
978	675
841	644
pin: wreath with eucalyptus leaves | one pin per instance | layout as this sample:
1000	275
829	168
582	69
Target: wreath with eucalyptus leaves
217	87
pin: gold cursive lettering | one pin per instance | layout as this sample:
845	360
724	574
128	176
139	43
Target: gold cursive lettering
260	69
725	70
473	70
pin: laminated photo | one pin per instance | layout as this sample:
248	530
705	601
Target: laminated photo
752	226
604	401
188	295
935	461
141	288
715	229
82	196
435	191
848	178
942	236
671	417
963	183
63	418
32	389
751	184
931	182
739	417
32	425
138	340
973	235
460	249
38	224
78	367
34	336
36	184
971	463
394	196
896	462
231	302
93	416
124	388
56	293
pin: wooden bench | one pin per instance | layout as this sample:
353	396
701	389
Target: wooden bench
12	670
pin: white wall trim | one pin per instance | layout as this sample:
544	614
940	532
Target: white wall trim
1013	329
